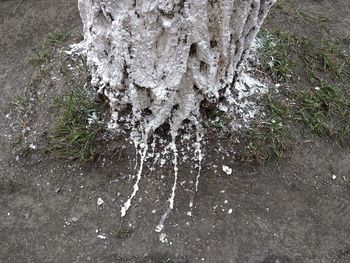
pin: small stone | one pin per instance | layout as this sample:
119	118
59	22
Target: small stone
57	190
163	238
334	177
33	146
103	237
100	201
227	169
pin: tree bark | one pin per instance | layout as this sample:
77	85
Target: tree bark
164	57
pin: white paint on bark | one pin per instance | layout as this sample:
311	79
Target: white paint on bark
164	57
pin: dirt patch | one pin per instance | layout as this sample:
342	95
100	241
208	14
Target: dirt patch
294	210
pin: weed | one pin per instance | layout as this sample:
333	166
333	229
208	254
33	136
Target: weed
73	137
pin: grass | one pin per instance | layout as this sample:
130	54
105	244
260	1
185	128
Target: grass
322	58
346	40
325	110
333	60
73	137
325	61
23	103
268	137
58	37
123	233
44	54
22	149
285	7
217	119
41	56
274	53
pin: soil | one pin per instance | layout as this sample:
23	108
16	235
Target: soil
295	210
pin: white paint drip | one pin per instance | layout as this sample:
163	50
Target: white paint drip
127	204
171	200
172	197
198	150
160	226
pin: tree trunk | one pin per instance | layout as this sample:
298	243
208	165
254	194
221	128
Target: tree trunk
164	57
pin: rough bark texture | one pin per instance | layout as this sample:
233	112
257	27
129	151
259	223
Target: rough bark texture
164	57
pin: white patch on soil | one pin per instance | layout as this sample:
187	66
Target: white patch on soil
100	201
103	237
163	238
227	169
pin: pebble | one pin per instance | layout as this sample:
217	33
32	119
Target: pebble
100	201
103	237
227	169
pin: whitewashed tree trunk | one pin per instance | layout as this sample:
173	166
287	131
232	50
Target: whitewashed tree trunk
164	57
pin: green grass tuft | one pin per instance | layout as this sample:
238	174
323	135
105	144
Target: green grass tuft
41	56
73	137
58	37
274	53
326	111
23	103
268	137
325	61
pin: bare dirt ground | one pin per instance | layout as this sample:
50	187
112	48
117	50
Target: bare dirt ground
287	211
